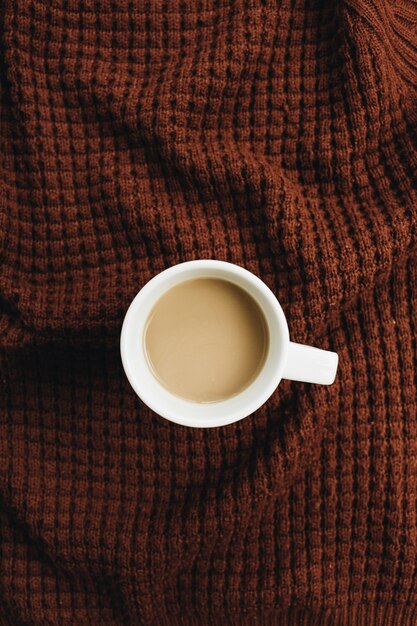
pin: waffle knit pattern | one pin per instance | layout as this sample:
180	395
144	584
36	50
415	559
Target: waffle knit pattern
278	135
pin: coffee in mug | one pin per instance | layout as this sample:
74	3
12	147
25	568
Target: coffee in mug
206	339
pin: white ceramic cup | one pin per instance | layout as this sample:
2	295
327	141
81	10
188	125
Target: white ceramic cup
285	359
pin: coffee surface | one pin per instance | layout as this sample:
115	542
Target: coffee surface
206	339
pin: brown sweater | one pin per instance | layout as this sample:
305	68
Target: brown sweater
277	135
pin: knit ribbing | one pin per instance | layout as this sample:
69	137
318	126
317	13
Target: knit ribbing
280	136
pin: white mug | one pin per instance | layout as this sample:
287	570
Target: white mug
285	359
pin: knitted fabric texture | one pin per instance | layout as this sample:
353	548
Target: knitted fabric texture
278	135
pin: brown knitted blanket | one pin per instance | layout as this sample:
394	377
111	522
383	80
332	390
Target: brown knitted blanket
278	135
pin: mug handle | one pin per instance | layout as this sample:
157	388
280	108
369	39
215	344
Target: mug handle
310	365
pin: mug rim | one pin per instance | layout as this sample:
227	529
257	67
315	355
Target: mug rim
187	412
